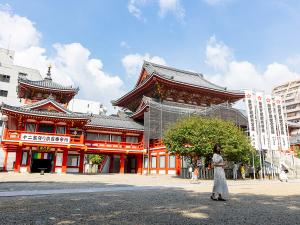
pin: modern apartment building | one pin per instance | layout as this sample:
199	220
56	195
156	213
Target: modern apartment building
9	75
290	93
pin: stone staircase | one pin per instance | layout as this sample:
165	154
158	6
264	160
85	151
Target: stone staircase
287	159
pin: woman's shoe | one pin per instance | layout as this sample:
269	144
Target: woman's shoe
213	198
221	199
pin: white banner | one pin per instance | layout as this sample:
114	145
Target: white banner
271	118
262	119
281	124
250	106
45	138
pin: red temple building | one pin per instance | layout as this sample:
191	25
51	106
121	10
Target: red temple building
44	135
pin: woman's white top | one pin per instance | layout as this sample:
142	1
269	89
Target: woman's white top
220	184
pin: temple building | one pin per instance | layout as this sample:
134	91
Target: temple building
44	134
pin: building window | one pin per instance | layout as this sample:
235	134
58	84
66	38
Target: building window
22	74
171	161
60	129
4	78
116	138
46	128
91	136
162	161
146	162
73	160
30	127
104	137
132	139
3	93
24	158
153	162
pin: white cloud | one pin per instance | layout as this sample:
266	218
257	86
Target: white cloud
134	8
172	6
17	32
165	7
243	74
133	62
72	63
217	54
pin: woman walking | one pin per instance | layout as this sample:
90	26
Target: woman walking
220	189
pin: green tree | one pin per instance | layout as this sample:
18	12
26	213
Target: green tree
96	159
195	135
297	151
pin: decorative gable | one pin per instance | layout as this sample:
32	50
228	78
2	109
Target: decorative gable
48	104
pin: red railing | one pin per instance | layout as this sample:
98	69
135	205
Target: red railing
156	144
16	136
114	145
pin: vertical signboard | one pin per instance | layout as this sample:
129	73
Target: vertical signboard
262	122
282	131
250	106
271	122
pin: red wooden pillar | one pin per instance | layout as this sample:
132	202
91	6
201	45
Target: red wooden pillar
139	163
29	153
81	161
177	165
18	160
64	161
122	163
5	160
111	164
157	163
167	163
54	161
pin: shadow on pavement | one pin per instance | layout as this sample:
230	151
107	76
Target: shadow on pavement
161	206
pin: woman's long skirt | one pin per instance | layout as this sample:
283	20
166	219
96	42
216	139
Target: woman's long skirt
220	184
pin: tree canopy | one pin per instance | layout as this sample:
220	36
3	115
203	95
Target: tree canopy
197	135
96	159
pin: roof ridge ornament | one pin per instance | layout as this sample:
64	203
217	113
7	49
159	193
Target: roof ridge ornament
48	77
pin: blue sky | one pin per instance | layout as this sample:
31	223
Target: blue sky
230	41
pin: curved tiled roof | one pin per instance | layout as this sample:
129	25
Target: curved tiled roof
114	122
183	76
28	111
47	84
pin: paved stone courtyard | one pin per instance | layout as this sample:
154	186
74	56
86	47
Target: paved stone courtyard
136	199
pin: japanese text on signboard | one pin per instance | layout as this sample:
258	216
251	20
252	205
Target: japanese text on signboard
45	138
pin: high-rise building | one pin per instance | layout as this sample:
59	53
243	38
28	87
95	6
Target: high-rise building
9	75
290	93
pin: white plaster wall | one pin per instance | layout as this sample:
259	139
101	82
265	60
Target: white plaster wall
1	157
161	172
72	170
171	172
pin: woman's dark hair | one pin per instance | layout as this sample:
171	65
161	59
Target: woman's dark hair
217	148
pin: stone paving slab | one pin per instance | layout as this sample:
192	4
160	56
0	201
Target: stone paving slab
174	206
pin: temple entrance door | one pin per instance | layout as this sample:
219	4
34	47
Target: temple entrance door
130	164
11	158
41	161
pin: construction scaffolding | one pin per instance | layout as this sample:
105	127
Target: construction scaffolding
160	115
